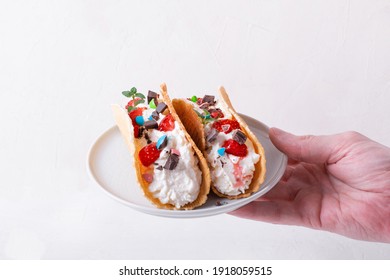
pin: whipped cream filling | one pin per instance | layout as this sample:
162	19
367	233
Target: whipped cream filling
231	175
182	184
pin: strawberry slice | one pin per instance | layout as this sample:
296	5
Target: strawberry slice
234	148
226	125
149	154
136	131
167	123
133	114
217	114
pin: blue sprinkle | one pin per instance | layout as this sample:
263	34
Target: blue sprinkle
221	151
150	118
139	120
162	141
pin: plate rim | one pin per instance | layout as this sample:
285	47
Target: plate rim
196	213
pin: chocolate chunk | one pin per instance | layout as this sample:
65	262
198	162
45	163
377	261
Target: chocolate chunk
140	131
239	136
212	136
161	107
208	99
152	95
172	162
204	105
151	124
155	115
159	167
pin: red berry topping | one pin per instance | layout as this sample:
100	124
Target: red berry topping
149	154
214	114
136	131
234	148
133	114
167	123
217	114
131	102
226	125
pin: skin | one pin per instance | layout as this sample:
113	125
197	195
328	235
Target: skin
338	183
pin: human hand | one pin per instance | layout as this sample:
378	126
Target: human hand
338	183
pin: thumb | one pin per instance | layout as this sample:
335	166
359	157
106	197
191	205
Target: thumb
308	148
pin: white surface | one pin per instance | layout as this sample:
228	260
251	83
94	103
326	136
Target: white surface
306	66
119	182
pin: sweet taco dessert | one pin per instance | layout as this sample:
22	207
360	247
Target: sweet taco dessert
171	170
235	156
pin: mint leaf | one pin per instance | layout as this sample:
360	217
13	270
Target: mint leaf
138	102
133	90
130	108
138	94
127	93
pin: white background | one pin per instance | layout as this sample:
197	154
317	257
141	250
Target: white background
309	67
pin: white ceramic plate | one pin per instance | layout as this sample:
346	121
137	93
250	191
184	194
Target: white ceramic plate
109	164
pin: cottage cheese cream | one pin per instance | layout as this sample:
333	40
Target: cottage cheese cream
181	185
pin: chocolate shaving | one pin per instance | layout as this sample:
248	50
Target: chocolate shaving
172	162
159	167
155	115
161	107
151	124
152	95
239	136
140	131
208	99
204	106
146	135
212	136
